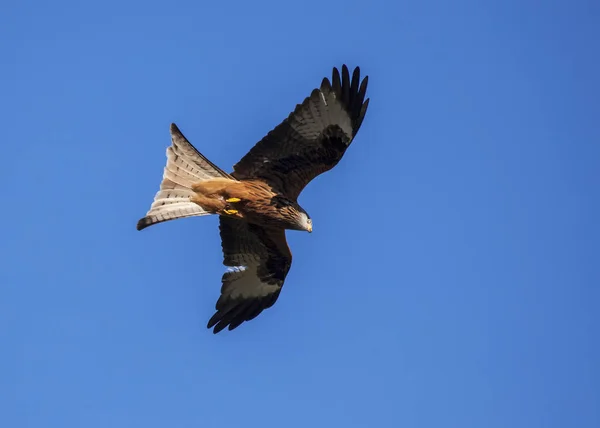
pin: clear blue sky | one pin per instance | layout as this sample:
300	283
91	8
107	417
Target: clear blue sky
452	279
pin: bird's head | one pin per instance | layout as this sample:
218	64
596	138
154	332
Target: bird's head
295	216
305	222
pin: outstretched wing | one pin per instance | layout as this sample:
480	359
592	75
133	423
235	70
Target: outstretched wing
312	139
259	260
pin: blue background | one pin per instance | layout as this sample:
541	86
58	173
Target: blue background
452	276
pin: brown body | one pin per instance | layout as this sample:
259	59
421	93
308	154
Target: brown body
251	200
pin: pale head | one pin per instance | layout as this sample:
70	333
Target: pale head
292	214
305	222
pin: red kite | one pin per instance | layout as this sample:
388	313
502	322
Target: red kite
257	202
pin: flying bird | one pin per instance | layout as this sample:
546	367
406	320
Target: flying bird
257	202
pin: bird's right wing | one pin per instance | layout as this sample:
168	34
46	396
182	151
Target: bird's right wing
259	260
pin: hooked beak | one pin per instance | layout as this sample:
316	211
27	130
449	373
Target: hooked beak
309	228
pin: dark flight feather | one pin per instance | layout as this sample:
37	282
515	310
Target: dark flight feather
312	139
266	259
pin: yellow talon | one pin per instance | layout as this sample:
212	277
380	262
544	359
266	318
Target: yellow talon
230	212
233	200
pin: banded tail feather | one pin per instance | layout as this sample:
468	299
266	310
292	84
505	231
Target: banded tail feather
185	167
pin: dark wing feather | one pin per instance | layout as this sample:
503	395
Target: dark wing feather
266	260
312	139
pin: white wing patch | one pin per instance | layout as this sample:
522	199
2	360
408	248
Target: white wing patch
323	97
236	268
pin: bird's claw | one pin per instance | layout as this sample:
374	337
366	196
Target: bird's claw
230	212
230	200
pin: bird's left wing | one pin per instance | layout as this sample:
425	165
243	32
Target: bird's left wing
259	260
312	139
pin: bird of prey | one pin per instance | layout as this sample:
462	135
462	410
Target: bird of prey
257	202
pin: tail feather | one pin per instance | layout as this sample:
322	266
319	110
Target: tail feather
182	170
185	167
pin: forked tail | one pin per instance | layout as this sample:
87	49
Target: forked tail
185	167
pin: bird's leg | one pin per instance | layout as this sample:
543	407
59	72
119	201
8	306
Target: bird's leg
228	209
212	205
